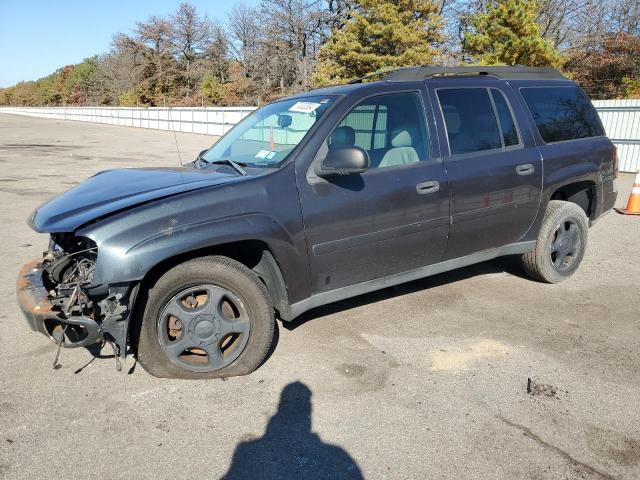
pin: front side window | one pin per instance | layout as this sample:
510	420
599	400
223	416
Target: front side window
562	113
268	135
390	127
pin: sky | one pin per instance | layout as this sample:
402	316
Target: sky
39	36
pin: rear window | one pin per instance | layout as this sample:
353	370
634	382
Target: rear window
562	113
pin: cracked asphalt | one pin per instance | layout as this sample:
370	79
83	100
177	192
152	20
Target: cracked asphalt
425	380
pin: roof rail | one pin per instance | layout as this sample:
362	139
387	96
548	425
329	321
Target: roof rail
517	72
379	74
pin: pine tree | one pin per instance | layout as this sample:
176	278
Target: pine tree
505	32
382	34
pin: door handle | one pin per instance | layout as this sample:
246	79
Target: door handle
525	169
428	187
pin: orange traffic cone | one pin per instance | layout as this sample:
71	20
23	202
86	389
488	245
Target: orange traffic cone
633	205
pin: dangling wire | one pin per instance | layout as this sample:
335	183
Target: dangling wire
175	137
57	365
115	354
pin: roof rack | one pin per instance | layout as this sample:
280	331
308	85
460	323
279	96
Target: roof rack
379	74
506	73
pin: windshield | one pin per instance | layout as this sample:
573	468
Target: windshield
268	135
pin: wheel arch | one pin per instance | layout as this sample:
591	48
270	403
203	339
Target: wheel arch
255	254
583	193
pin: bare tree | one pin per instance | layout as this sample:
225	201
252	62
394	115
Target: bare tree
573	23
336	14
217	53
152	39
625	17
190	35
244	33
294	36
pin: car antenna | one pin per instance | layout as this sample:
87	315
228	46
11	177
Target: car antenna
175	137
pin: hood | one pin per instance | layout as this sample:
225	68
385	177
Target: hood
114	190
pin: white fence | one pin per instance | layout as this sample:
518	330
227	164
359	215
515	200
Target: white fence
621	119
208	121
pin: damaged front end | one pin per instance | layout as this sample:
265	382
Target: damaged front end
60	300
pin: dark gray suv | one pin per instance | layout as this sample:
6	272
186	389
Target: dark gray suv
319	197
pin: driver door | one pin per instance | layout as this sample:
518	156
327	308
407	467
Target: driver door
390	219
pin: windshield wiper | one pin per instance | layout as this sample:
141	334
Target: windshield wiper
226	161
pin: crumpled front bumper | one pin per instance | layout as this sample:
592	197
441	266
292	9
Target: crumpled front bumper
33	298
40	314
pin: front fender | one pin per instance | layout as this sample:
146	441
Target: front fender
132	242
122	262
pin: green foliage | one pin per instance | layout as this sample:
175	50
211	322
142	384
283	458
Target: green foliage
631	87
505	32
79	81
213	89
382	34
128	99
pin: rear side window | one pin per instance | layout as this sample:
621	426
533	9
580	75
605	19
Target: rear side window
507	123
562	113
470	119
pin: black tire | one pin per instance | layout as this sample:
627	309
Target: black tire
540	263
218	272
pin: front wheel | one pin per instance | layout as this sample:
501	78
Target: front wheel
561	243
209	317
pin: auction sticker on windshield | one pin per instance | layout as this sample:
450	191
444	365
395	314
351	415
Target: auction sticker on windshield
263	154
304	107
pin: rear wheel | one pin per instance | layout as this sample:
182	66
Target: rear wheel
209	317
561	244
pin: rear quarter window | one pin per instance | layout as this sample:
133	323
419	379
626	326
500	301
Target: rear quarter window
562	113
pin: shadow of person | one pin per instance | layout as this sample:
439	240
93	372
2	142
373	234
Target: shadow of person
289	449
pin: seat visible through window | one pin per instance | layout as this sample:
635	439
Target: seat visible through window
343	136
402	151
390	127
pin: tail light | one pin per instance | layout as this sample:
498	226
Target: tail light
616	161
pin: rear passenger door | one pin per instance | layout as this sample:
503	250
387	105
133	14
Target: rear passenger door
493	167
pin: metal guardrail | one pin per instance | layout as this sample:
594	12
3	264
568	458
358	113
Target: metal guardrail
621	120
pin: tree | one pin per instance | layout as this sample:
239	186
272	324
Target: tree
572	23
190	36
381	34
156	66
217	53
610	68
277	47
213	89
506	32
293	38
79	85
244	31
336	15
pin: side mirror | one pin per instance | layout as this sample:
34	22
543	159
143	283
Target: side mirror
201	154
343	161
